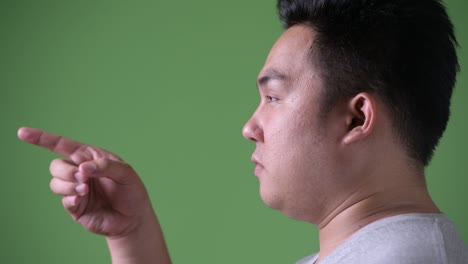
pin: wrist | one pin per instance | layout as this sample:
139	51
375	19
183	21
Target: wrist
144	243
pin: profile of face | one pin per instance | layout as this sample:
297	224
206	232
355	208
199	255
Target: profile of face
296	152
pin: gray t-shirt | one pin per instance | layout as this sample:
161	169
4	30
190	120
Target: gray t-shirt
402	239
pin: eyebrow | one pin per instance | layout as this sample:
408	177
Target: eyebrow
269	75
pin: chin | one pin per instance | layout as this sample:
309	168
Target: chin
270	198
277	201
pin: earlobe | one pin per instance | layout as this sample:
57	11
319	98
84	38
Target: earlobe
360	118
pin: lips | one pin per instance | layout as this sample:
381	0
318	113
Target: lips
258	166
258	169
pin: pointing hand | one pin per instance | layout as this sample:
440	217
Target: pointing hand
100	191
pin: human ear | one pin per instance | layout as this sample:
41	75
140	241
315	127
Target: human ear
360	118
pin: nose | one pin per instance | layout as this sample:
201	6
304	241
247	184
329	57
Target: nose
252	130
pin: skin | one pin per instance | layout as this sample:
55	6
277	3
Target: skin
104	195
329	171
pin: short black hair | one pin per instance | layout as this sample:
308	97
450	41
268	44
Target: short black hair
403	51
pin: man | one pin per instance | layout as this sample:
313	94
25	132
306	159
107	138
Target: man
355	96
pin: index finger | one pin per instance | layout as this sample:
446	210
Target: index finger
58	144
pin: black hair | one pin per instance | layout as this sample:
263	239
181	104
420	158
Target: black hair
403	51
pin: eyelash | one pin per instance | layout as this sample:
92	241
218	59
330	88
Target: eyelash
271	99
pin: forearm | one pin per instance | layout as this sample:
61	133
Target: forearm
145	245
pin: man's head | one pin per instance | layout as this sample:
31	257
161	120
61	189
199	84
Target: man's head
348	85
401	51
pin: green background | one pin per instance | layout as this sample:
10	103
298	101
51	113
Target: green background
167	85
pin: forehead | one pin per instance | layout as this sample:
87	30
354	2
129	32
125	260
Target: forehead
290	52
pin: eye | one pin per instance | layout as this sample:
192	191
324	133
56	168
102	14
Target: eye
271	99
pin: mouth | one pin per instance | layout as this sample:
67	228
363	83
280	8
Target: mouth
258	166
258	169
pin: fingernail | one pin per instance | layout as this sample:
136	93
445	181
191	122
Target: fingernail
81	189
90	167
79	177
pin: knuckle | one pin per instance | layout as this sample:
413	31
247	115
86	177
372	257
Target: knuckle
95	152
94	166
53	185
53	165
90	150
66	202
115	157
82	154
103	163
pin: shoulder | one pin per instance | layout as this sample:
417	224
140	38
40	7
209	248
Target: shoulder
413	238
409	238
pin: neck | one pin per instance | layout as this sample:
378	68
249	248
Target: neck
364	207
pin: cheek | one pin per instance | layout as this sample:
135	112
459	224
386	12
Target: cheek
292	145
292	133
297	177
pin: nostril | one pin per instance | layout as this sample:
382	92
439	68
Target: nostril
252	139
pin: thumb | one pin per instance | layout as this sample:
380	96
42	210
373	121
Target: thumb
118	171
